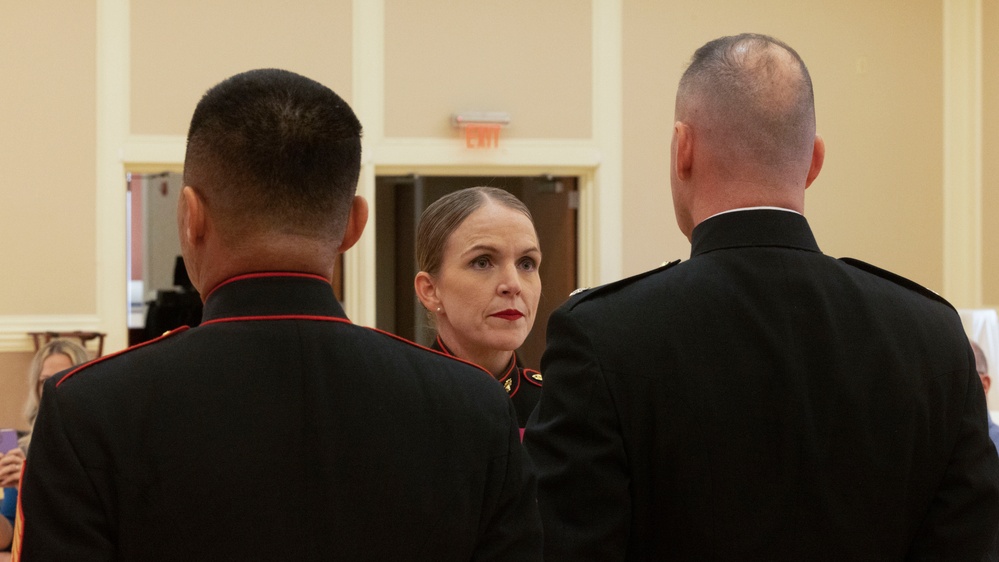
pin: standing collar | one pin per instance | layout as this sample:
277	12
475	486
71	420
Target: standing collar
272	294
439	345
753	227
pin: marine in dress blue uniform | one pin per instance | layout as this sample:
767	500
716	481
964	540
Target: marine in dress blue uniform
761	400
276	429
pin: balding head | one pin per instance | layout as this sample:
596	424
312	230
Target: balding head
751	94
745	129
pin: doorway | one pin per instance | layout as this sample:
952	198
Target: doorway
400	200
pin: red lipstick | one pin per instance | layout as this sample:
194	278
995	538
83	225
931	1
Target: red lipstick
509	314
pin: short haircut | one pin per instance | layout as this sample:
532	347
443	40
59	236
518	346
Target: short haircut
446	214
272	151
760	108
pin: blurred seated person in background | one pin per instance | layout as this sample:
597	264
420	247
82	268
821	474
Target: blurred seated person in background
180	306
57	355
983	373
478	255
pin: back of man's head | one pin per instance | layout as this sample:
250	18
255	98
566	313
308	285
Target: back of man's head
272	152
751	96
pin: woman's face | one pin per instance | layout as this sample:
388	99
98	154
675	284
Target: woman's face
52	365
488	284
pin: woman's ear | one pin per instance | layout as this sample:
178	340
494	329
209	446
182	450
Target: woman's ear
426	291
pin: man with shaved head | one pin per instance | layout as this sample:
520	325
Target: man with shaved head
759	401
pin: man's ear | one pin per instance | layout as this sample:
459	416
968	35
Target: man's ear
191	216
356	221
426	291
818	157
683	144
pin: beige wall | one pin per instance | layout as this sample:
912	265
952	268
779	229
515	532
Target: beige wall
13	388
990	152
180	49
47	157
876	69
529	58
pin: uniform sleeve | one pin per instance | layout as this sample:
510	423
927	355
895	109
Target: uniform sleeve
964	515
513	532
575	444
61	514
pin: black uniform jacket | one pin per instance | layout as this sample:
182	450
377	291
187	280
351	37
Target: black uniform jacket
762	401
277	430
522	384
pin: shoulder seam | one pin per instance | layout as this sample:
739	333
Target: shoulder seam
103	358
582	296
897	279
418	346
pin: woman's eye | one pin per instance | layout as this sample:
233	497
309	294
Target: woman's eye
480	262
528	264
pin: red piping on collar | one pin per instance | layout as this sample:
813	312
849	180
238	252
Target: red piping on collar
82	366
277	317
447	353
444	353
344	321
266	274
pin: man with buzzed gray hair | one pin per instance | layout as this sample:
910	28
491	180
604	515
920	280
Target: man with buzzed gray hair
760	401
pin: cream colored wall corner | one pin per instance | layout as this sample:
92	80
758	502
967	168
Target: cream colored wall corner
990	153
962	25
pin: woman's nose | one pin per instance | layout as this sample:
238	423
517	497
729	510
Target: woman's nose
510	281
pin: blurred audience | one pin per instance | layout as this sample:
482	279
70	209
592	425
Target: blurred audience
53	357
983	373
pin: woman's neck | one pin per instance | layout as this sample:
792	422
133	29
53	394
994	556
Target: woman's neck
494	361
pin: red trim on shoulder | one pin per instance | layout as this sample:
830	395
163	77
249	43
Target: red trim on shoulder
445	351
344	321
122	352
531	379
266	274
277	317
434	351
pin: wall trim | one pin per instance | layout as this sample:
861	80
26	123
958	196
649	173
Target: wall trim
113	110
546	153
601	221
962	181
368	102
14	329
153	149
